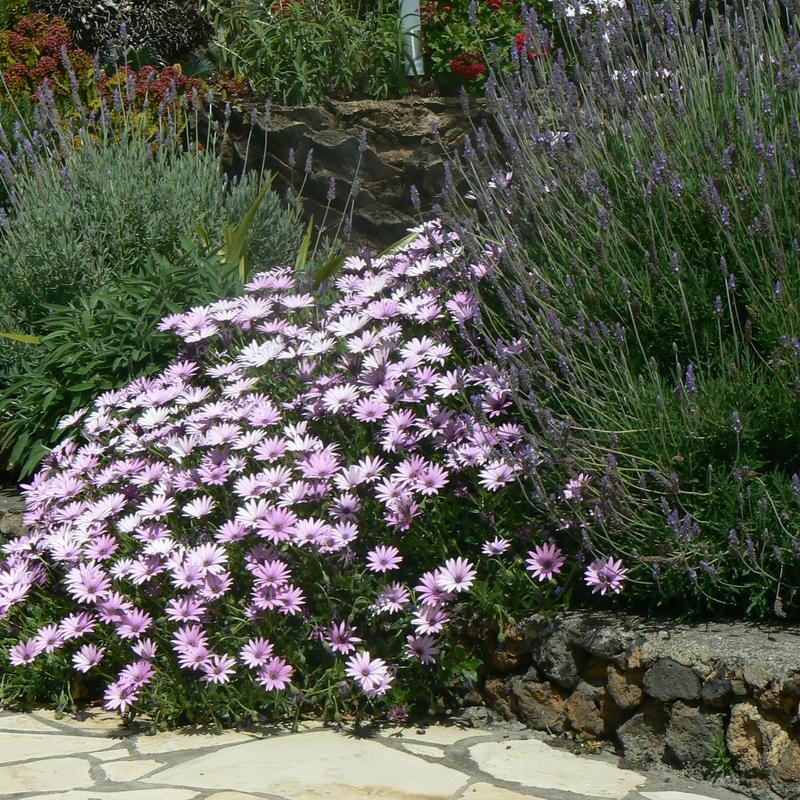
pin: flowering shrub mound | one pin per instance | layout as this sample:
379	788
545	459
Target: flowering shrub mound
292	501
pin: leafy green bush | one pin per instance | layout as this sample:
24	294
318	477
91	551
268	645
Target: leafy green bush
647	307
303	51
101	214
100	342
461	40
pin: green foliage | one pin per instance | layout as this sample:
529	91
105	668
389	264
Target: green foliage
100	342
303	52
85	266
101	216
11	11
458	52
720	760
168	28
650	288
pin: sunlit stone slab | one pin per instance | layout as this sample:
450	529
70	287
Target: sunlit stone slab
21	747
533	763
322	764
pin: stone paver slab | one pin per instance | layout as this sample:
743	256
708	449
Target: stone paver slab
421	750
434	734
124	771
14	747
111	755
47	775
321	764
24	723
133	794
174	742
95	721
485	791
533	763
675	796
232	796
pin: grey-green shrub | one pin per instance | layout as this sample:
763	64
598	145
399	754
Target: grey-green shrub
99	215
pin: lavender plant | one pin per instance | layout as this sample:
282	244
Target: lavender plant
644	191
289	514
100	212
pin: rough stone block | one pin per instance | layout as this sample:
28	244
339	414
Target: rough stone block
689	731
11	524
761	747
642	736
540	706
559	661
776	698
497	694
716	691
625	688
668	680
584	709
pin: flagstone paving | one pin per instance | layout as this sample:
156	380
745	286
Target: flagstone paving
45	758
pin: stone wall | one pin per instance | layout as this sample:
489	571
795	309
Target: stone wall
400	151
661	692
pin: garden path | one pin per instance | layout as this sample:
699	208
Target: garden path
44	758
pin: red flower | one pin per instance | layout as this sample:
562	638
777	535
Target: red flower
47	66
495	5
520	42
469	64
284	6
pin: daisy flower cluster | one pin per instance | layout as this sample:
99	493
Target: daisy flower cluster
214	480
290	443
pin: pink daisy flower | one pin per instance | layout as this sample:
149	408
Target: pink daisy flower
432	480
430	592
134	624
545	561
422	648
276	674
87	657
256	652
495	547
341	638
138	674
199	507
50	638
495	475
24	653
457	575
368	672
120	697
218	669
575	487
604	575
392	598
192	657
383	559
